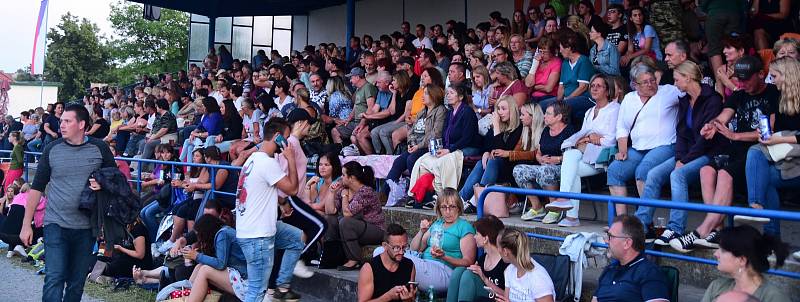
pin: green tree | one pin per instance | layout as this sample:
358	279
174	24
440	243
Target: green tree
24	74
147	47
76	56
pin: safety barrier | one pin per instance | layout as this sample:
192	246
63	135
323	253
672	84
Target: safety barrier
611	200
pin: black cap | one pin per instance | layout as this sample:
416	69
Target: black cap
300	114
746	67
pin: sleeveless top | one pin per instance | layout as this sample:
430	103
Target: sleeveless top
384	280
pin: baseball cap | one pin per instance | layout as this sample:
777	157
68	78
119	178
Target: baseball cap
300	114
356	71
746	67
405	60
221	71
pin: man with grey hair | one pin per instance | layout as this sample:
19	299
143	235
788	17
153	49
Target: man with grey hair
646	133
675	53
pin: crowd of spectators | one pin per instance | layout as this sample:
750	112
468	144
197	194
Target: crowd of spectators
540	100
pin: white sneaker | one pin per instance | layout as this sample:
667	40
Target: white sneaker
302	271
752	220
10	254
796	255
165	247
21	251
559	206
569	222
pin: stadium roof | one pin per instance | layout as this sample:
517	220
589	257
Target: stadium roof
230	8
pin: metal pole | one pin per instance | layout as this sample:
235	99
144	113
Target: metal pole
212	29
44	60
351	24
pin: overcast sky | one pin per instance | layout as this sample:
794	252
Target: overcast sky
18	22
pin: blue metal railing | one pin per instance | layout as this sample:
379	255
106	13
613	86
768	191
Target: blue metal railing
611	200
138	179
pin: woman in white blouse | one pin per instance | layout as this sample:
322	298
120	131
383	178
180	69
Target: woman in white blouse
598	132
648	116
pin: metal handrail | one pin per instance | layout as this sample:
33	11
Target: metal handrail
611	200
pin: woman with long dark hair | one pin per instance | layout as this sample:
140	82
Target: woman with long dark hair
743	257
220	261
206	132
362	222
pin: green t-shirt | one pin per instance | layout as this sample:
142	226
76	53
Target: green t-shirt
362	94
767	292
451	238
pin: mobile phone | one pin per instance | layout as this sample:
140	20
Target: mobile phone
281	141
412	285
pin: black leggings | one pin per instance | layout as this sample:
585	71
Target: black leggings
306	219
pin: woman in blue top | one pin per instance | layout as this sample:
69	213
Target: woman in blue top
440	247
460	139
220	261
210	127
643	37
573	85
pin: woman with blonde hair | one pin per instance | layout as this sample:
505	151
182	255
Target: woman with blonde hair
764	174
598	132
502	35
532	119
502	136
441	245
525	279
481	84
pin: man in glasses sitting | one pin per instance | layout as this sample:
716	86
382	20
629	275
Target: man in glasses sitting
389	276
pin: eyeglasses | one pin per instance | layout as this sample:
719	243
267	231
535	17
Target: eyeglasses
597	86
647	82
447	208
396	249
608	236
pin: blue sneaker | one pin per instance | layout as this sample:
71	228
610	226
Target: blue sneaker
3	245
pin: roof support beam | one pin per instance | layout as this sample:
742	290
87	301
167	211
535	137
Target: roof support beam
351	26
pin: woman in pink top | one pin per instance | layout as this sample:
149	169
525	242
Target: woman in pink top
11	226
544	82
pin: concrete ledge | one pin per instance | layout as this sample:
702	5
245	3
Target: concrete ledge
692	275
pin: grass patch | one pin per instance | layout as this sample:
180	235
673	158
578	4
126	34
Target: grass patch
98	291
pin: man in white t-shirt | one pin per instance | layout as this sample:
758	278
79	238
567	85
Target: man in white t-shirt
422	41
258	230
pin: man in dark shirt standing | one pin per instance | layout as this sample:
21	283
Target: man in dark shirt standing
64	170
618	36
51	125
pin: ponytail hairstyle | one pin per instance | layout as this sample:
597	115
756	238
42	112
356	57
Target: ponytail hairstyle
206	228
517	243
364	174
745	241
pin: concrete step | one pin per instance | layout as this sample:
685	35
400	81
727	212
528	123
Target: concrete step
691	274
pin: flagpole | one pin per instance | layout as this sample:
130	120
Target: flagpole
44	55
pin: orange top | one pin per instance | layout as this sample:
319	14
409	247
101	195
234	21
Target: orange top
416	103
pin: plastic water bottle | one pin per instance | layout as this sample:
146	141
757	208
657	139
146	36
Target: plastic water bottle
431	294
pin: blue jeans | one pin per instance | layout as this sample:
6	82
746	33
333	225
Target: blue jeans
151	223
679	185
259	254
637	164
577	104
763	181
481	175
132	147
35	145
69	258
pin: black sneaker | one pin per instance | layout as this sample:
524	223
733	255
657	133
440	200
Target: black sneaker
685	243
664	239
650	236
470	209
710	241
287	296
410	202
430	205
